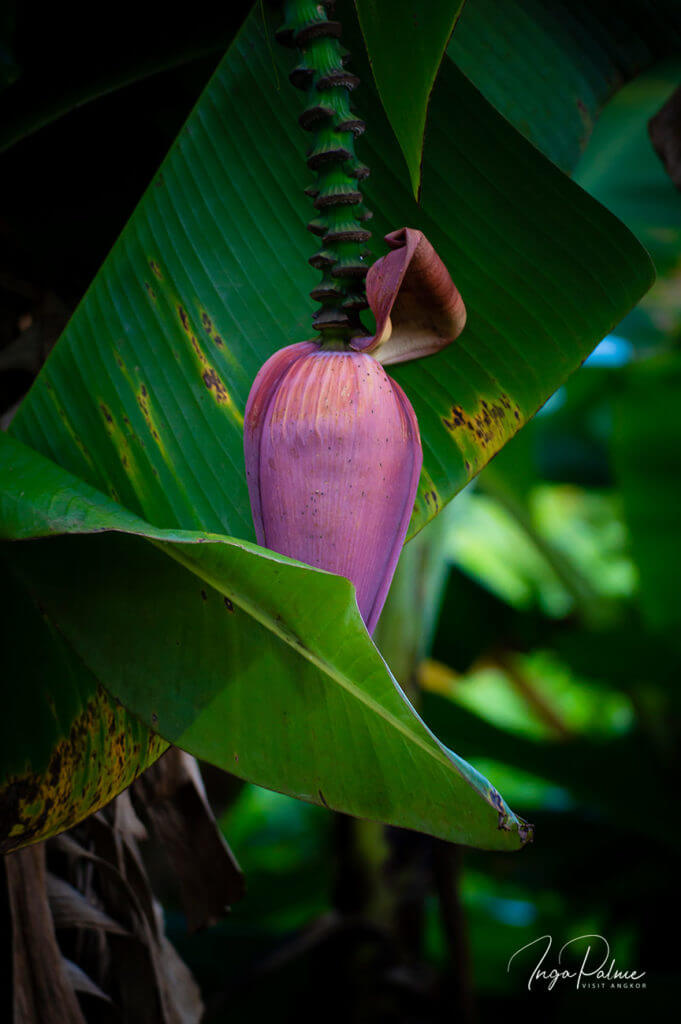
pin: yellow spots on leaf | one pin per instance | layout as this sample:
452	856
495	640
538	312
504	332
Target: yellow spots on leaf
209	328
127	376
122	439
431	500
210	376
216	387
427	505
481	433
68	426
104	751
184	320
144	402
128	435
155	269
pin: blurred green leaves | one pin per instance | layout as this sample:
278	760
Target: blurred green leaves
647	457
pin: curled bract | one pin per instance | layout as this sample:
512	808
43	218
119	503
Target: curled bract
417	306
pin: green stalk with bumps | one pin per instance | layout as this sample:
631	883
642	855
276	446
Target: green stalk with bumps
341	213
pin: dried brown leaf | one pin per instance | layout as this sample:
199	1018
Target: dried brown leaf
42	991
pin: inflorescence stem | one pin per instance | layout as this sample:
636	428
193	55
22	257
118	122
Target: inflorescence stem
340	217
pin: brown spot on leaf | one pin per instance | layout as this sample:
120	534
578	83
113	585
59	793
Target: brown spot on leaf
184	319
480	434
215	384
458	416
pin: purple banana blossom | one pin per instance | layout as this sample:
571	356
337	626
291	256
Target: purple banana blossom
332	446
333	457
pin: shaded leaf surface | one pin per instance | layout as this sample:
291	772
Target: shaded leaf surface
67	747
549	67
406	44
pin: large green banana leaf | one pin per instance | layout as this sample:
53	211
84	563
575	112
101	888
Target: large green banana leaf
143	397
241	656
